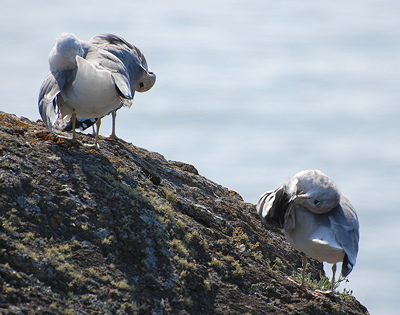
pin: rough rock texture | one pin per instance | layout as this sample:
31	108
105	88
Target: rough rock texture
121	230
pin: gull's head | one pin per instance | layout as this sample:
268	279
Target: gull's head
146	82
63	55
315	191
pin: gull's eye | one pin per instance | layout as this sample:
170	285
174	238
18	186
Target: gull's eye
316	202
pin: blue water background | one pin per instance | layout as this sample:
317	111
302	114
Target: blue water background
250	92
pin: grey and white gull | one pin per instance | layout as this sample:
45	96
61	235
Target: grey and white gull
317	220
88	80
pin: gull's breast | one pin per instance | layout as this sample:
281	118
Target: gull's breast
92	94
313	235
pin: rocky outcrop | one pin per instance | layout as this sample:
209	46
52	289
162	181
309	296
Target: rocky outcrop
121	230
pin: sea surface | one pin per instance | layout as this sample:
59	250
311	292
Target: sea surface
250	93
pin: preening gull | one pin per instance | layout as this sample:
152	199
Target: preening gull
317	219
91	79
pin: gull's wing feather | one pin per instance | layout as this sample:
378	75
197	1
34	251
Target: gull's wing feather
345	227
273	205
48	103
126	63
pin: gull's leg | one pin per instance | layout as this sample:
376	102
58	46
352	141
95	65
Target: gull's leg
73	117
98	123
114	117
333	276
113	135
303	273
96	136
331	291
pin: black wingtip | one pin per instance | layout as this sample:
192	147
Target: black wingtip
347	267
81	124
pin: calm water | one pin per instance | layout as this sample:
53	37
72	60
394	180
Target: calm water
250	92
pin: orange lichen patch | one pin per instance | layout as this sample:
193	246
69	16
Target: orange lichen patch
117	161
137	151
112	159
45	136
12	121
54	138
185	167
91	150
234	193
133	149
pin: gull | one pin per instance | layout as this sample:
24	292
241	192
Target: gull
317	220
90	80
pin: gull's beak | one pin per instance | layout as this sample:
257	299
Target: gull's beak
300	196
150	72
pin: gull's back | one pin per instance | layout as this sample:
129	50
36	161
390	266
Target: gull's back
126	62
